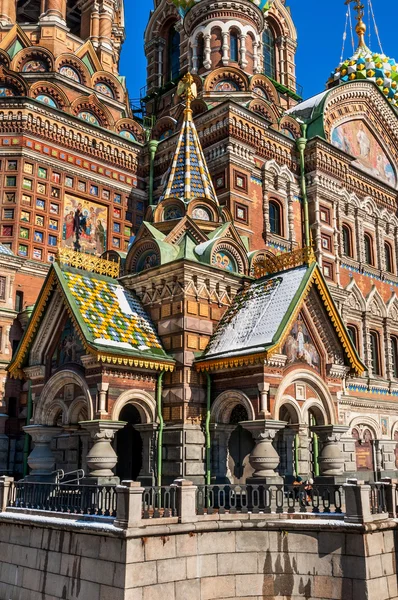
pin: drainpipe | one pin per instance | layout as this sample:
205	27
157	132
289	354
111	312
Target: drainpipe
207	430
161	427
301	146
152	145
26	446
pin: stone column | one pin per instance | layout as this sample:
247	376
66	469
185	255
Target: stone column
8	13
207	51
264	391
331	459
102	459
102	394
161	47
147	432
243	60
225	48
264	459
105	25
94	25
194	64
41	460
129	504
54	10
256	66
220	434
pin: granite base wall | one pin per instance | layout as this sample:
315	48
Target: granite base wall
207	560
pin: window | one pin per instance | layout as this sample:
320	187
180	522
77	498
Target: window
388	257
368	249
3	281
233	46
269	53
174	54
19	301
394	355
375	352
275	220
347	246
200	51
353	333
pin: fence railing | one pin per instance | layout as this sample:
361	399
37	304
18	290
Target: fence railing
64	498
261	498
159	502
378	500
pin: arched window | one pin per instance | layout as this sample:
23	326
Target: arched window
275	217
394	355
174	54
388	257
368	249
353	333
347	245
269	53
233	46
200	51
375	352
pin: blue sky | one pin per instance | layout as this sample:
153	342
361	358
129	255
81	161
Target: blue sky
320	26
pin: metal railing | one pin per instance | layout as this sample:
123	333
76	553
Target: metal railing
159	502
261	498
378	502
64	498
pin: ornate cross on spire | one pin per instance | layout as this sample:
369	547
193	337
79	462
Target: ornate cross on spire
361	27
187	90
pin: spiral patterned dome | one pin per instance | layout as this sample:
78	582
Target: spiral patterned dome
365	64
184	5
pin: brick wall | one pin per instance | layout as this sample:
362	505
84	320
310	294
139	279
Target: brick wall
206	560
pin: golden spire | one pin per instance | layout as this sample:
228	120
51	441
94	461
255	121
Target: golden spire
187	90
361	27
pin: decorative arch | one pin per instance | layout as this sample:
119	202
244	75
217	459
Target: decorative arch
52	387
77	407
131	126
164	127
143	401
53	410
4	59
111	82
317	407
394	429
92	105
290	125
375	304
41	88
12	81
292	407
355	300
143	255
70	60
261	82
368	423
313	380
164	210
227	247
222	73
261	107
204	204
224	404
35	59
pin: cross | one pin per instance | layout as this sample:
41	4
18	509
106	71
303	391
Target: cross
358	7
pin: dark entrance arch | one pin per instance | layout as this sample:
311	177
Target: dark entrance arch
240	446
129	445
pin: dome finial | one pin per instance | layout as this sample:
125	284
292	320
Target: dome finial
361	27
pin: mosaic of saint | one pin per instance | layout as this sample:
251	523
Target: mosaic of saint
93	224
299	346
69	348
223	260
355	138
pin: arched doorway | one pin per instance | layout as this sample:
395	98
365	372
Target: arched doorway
240	445
287	441
129	445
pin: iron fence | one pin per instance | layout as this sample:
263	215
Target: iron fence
159	502
64	498
262	498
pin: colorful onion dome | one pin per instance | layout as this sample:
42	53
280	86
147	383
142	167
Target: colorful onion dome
184	5
365	64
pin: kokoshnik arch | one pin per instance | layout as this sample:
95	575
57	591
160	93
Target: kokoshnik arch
252	314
